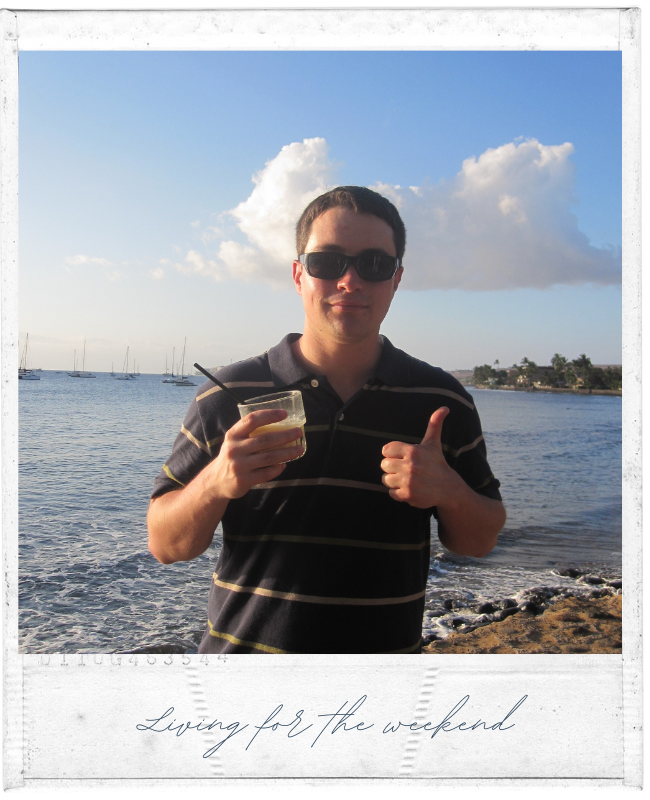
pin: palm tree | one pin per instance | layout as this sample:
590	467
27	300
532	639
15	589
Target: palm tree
583	368
582	362
571	375
559	364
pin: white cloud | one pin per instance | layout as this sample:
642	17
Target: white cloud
211	233
157	273
196	264
79	261
110	269
299	173
503	222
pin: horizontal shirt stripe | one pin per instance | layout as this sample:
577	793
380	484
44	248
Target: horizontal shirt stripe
396	437
276	650
282	537
373	487
320	600
242	643
485	483
465	448
194	440
423	390
169	474
235	385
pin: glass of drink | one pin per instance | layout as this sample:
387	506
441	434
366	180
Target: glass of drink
291	402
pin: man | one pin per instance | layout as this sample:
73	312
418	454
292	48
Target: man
329	552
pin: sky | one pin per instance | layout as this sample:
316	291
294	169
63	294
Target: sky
159	194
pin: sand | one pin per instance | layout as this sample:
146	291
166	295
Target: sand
570	625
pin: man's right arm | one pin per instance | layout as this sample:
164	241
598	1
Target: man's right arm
182	523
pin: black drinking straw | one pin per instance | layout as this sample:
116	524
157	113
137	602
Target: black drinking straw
234	395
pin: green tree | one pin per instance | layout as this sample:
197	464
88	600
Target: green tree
527	370
548	379
613	378
570	375
560	364
483	375
583	369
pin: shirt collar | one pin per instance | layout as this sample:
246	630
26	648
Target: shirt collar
393	368
286	370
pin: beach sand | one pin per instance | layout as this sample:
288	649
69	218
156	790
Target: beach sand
570	625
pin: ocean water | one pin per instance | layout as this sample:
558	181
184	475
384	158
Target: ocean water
90	449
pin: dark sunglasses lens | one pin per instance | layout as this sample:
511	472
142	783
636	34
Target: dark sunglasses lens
326	266
376	267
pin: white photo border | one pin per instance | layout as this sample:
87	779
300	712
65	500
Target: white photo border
53	704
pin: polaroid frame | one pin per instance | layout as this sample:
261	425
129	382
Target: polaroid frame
91	719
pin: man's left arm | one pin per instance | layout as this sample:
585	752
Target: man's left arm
468	522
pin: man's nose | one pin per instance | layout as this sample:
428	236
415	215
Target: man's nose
350	280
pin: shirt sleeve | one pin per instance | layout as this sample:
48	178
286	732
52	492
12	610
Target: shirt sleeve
467	454
190	454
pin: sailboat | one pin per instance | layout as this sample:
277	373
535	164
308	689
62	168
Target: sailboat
183	381
111	373
133	374
125	375
74	373
171	378
25	374
84	374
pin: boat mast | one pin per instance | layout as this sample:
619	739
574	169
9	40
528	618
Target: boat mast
183	362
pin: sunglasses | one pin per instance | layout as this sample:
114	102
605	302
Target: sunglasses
372	267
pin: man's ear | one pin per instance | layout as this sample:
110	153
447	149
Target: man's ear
396	279
297	276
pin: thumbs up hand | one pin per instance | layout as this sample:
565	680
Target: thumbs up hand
418	474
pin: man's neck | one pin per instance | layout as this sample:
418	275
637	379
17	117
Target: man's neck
347	366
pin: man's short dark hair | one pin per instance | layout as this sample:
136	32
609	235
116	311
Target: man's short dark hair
359	199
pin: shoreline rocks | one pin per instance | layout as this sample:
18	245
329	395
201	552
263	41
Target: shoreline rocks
588	623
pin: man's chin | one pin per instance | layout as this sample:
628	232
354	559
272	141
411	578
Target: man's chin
349	331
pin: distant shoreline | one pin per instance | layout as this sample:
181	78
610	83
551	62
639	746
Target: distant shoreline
552	389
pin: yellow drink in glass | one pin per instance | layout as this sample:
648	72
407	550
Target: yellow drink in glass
291	402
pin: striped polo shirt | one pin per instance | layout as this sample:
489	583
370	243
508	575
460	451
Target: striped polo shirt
323	560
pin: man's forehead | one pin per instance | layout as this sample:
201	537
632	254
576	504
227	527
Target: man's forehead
341	228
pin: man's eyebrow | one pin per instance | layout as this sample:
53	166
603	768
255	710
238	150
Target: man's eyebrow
335	248
330	248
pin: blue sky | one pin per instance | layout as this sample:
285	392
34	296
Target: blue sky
130	163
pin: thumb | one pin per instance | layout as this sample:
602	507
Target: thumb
434	428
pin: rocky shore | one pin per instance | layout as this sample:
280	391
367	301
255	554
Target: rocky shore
587	623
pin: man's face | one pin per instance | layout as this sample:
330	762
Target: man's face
349	309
